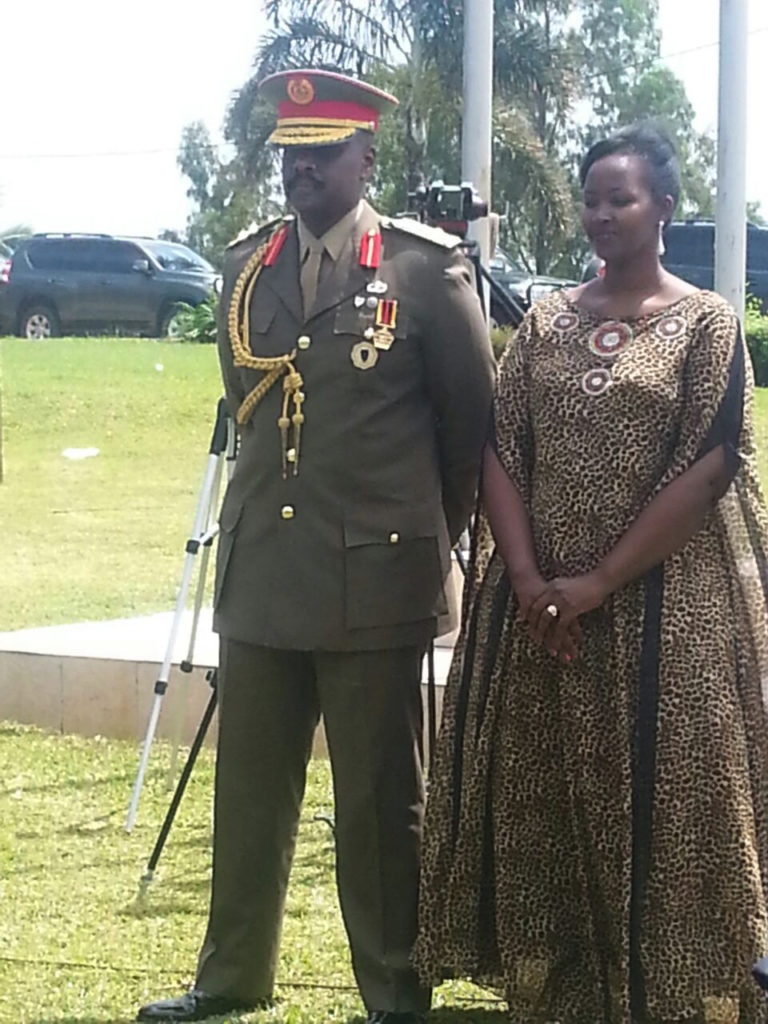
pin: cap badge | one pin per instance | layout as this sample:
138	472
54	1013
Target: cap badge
300	91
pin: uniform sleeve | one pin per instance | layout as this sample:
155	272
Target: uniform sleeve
714	381
511	431
234	391
460	370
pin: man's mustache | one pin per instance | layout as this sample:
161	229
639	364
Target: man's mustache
303	176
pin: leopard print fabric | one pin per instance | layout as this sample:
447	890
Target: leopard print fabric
528	878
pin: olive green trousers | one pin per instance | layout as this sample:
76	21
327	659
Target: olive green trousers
269	705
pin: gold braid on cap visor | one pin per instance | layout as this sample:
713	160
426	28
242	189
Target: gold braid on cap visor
315	131
274	367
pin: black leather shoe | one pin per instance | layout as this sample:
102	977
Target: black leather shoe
193	1005
388	1017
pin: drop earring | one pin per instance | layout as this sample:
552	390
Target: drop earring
662	247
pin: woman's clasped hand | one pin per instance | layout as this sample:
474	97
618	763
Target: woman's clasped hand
553	609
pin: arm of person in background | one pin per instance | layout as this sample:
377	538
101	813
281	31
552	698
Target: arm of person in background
460	372
701	470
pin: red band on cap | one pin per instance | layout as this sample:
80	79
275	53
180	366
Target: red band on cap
332	110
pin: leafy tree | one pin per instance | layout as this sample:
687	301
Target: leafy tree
225	195
566	71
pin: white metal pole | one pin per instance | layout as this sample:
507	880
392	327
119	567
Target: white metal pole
731	214
478	97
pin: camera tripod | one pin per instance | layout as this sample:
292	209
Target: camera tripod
223	446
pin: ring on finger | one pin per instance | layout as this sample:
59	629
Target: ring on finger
552	610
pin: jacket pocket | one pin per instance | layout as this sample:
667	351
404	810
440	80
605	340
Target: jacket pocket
393	567
231	513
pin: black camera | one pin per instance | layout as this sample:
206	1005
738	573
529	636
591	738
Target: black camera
450	207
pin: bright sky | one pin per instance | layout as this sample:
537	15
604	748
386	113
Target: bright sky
85	82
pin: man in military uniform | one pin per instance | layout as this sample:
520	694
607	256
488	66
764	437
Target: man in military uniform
357	364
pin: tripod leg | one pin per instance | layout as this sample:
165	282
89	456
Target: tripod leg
206	540
219	444
197	743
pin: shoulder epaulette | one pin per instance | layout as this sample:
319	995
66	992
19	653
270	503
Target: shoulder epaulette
409	226
253	231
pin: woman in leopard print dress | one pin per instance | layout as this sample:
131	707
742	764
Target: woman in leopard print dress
596	826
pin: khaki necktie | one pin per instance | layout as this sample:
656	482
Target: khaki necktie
310	274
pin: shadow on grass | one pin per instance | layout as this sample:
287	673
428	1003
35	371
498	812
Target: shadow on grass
78	784
467	1014
452	1015
112	1019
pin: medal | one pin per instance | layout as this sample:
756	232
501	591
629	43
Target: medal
383	338
360	300
386	321
364	355
376	287
386	313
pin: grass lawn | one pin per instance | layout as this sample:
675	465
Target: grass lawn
77	943
102	537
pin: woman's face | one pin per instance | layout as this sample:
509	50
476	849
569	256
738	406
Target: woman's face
619	213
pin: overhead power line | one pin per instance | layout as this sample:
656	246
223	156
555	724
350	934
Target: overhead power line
214	147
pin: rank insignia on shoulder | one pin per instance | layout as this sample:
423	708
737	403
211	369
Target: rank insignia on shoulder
254	231
410	226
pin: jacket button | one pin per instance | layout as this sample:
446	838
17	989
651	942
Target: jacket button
287	512
394	538
304	341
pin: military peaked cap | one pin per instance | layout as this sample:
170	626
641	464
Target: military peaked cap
321	108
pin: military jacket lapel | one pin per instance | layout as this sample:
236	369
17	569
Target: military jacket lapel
283	278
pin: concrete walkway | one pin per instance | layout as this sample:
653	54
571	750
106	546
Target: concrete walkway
97	678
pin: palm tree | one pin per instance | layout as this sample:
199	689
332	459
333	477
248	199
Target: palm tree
381	40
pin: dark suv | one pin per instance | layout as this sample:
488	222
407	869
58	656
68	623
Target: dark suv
53	283
690	253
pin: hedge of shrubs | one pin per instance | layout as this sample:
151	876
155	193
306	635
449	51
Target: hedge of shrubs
756	331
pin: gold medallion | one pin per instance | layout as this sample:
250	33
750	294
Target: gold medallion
364	355
383	338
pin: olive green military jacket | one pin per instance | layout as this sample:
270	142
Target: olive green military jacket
353	552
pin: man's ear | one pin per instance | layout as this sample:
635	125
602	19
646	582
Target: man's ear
369	162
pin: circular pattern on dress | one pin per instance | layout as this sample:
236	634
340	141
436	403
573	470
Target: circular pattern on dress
565	322
610	339
596	382
671	328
